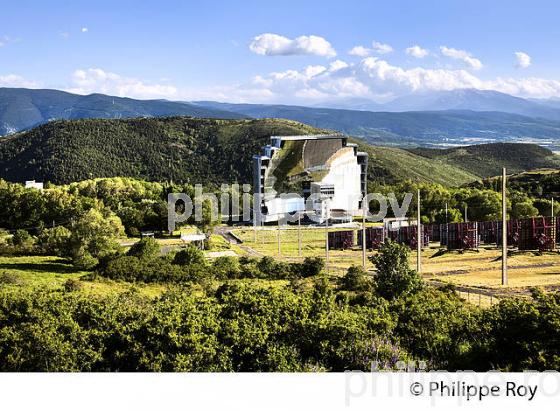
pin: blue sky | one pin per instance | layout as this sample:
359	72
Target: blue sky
289	51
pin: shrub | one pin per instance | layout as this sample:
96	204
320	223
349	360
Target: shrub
73	285
355	279
160	270
22	242
310	267
55	241
10	278
394	278
226	267
191	255
146	248
268	268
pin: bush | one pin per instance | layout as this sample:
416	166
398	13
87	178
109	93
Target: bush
310	267
22	243
159	270
146	248
394	278
437	326
355	279
73	285
268	268
55	241
10	278
226	267
191	255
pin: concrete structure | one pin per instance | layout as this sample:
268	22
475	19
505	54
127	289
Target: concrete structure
325	171
34	185
194	238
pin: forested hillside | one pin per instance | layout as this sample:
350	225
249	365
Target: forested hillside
176	148
212	151
487	160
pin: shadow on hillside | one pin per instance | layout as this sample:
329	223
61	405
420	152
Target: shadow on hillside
52	267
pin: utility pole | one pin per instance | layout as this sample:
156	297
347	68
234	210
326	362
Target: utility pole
446	226
364	234
466	216
279	240
255	227
552	209
418	238
299	233
327	236
504	229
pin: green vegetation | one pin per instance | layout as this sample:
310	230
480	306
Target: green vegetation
241	325
486	160
205	151
211	152
392	165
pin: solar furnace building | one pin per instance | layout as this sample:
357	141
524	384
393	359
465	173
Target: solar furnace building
325	171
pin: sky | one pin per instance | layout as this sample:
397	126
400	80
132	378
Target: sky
293	52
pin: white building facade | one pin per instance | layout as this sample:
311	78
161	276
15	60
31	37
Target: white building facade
327	174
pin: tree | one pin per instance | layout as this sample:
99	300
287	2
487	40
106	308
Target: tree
55	241
394	278
94	236
522	206
23	241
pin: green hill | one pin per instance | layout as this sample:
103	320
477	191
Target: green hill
183	149
487	160
213	151
541	183
179	148
390	165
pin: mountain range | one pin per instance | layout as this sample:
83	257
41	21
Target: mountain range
22	108
435	119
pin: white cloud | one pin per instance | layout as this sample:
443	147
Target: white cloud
14	80
270	44
372	78
84	30
381	48
462	55
337	65
523	60
96	80
417	51
359	51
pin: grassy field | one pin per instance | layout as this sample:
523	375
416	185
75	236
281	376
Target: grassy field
53	272
476	274
477	270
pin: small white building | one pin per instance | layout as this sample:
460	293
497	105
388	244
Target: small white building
34	185
394	224
195	238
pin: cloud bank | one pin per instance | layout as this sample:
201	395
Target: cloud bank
96	80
